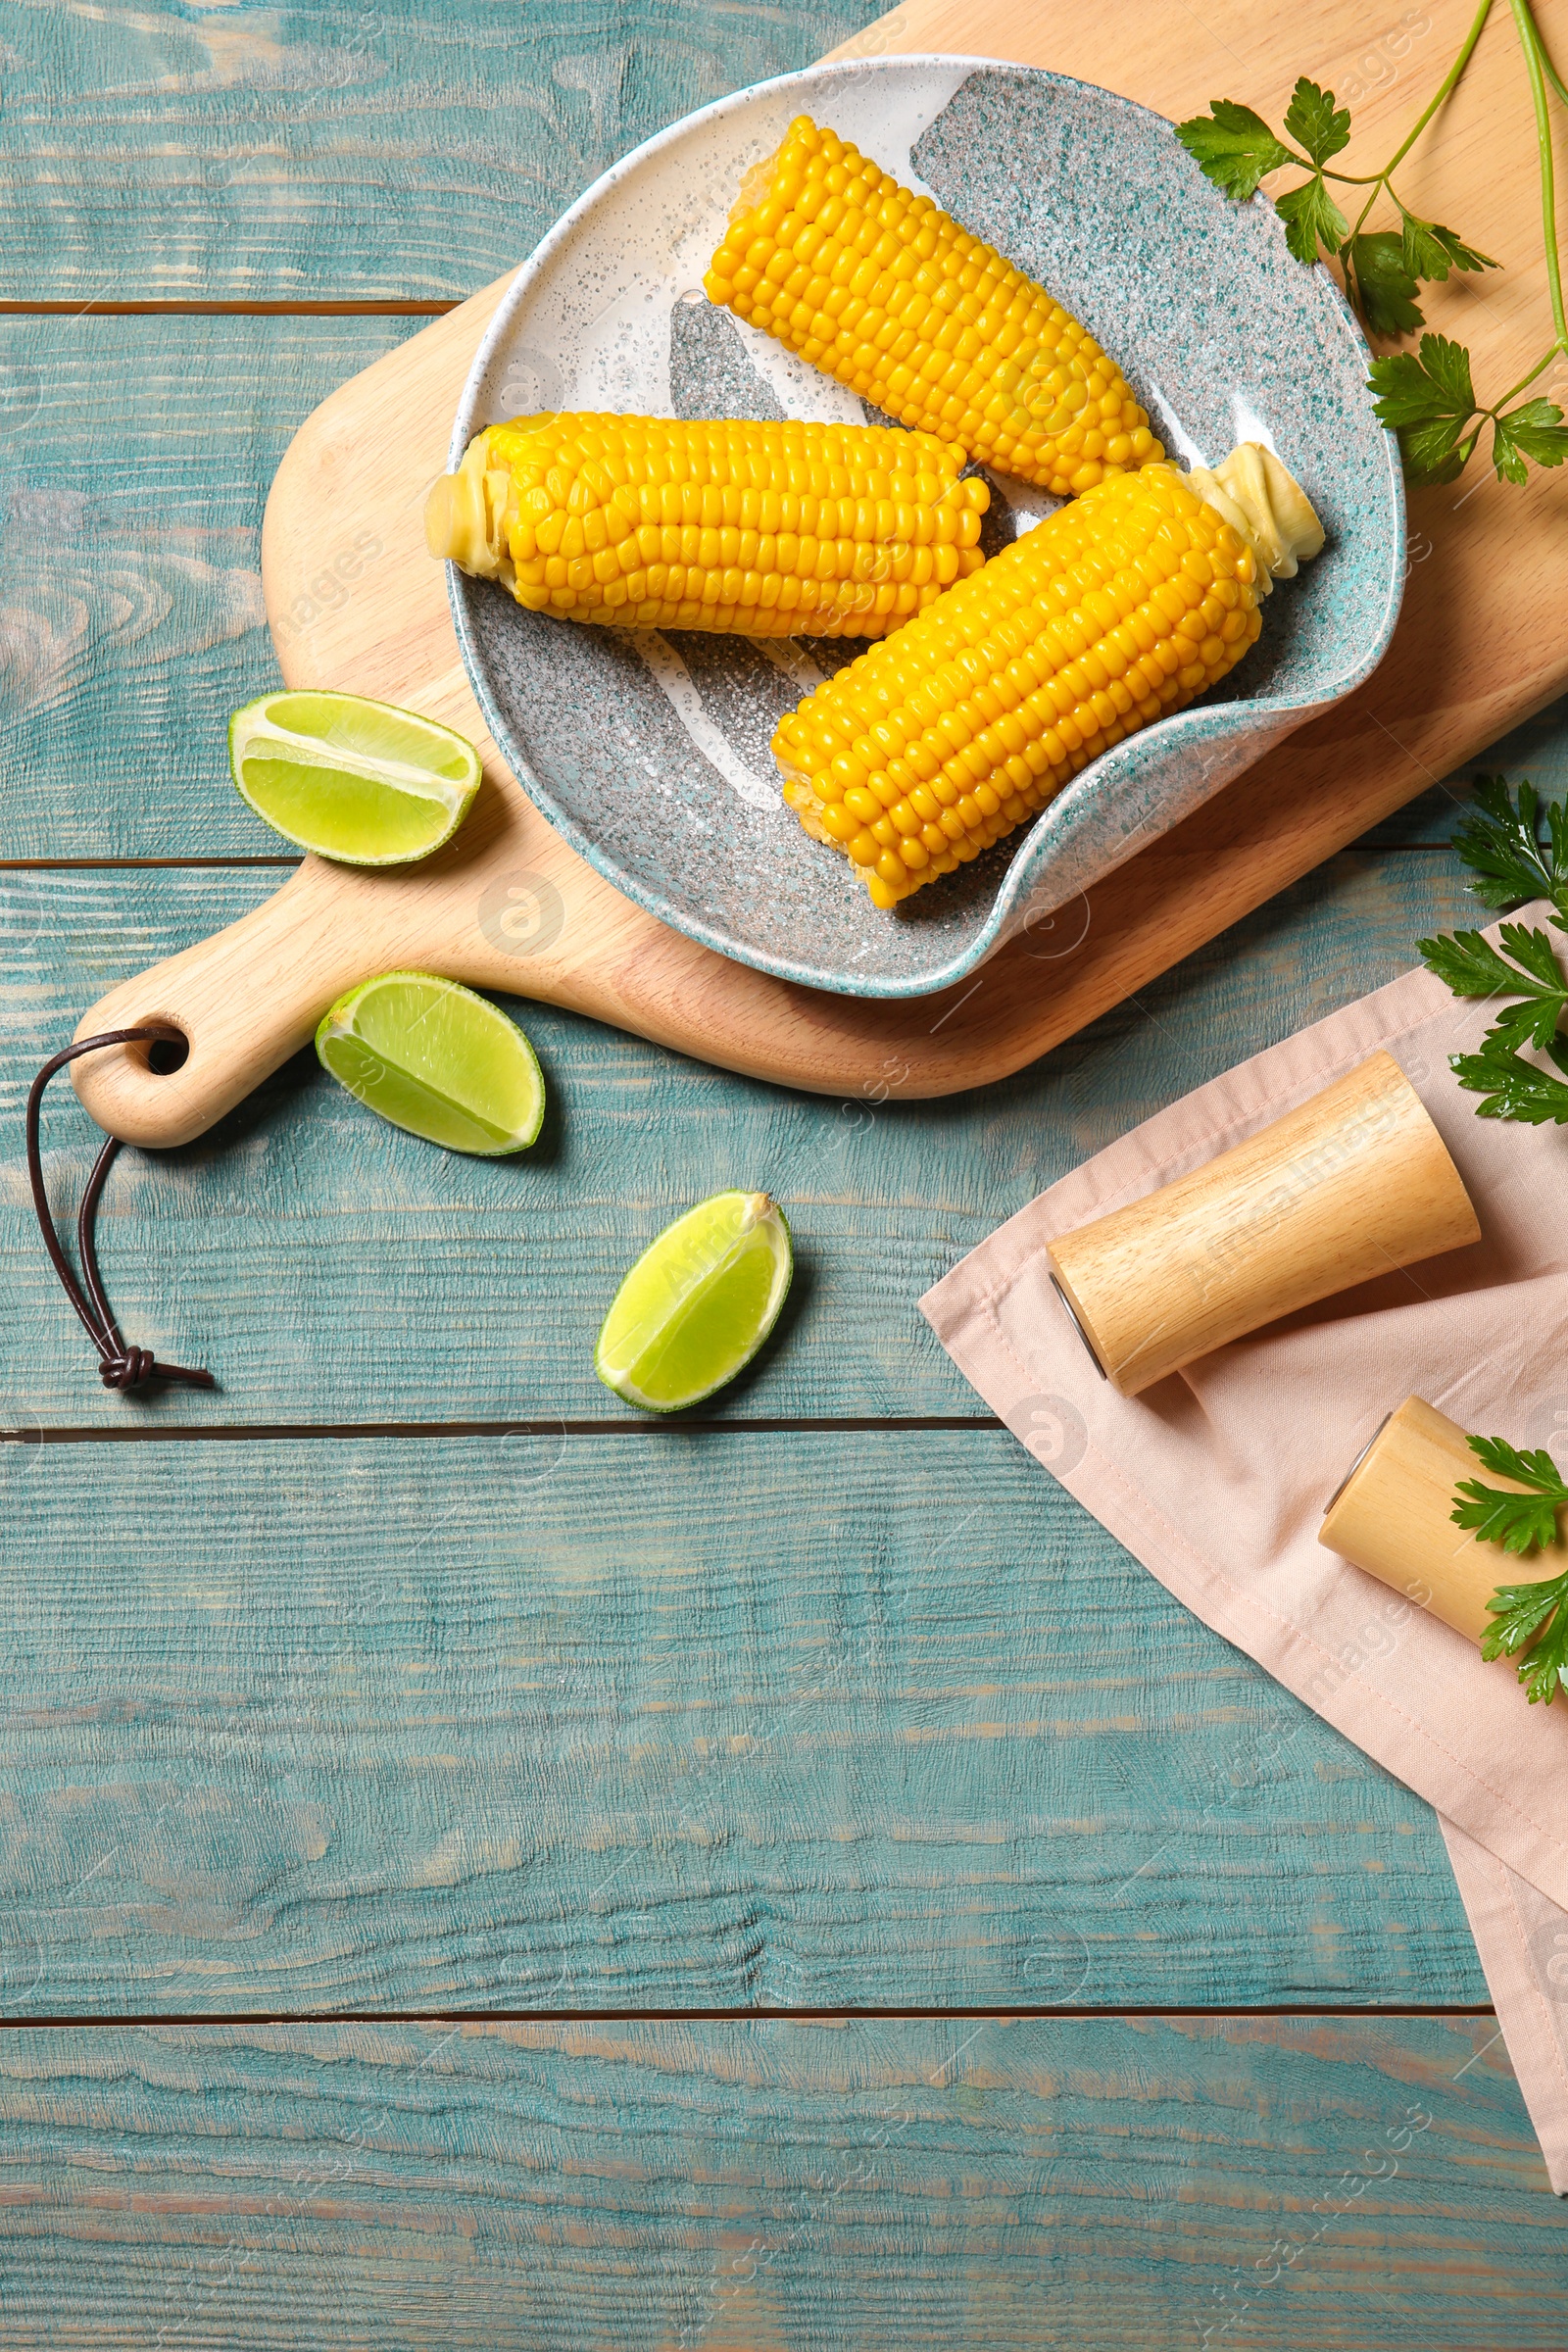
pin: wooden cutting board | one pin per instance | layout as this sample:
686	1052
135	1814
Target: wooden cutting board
355	602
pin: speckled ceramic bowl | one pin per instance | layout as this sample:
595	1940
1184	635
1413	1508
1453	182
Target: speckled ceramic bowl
652	756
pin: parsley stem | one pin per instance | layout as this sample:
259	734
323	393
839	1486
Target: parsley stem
1446	86
1529	43
1525	381
1549	70
1376	179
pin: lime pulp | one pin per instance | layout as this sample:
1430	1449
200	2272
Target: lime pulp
698	1304
358	781
432	1058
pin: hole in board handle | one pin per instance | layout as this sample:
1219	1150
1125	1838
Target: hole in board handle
163	1055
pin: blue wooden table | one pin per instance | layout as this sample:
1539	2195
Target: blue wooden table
478	1869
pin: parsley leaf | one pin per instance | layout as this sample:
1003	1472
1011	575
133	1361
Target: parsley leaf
1538	980
1512	1088
1432	452
1518	1522
1233	147
1312	120
1539	429
1311	219
1471	966
1530	1622
1532	1618
1386	291
1433	382
1236	149
1430	251
1500	844
1428	399
1522	1613
1536	430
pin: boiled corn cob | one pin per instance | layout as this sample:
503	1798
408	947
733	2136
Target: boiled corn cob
878	287
775	530
1118	608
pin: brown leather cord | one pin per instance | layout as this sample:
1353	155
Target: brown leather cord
120	1366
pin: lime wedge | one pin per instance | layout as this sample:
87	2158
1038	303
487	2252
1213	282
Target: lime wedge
698	1304
358	781
433	1057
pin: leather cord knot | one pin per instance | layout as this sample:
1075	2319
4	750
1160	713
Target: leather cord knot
120	1366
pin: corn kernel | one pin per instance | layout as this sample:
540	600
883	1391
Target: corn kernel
841	531
1090	626
909	309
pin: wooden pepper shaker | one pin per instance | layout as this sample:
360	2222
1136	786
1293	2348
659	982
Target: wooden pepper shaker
1354	1183
1394	1517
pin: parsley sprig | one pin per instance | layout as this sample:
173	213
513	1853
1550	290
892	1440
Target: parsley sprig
1510	860
1500	842
1530	1622
1425	396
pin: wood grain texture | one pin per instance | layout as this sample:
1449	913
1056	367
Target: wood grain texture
1537	748
1350	1184
1322	2187
329	1267
1468	660
1395	1519
352	152
132	620
355	1721
784	1719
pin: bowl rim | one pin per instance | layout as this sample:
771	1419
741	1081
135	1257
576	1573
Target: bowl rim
1271	718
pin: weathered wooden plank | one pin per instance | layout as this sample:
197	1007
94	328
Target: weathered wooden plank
349	152
332	1269
133	619
135	464
788	1719
1304	2186
1537	750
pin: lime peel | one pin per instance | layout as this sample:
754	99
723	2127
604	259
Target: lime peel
431	1056
358	781
697	1305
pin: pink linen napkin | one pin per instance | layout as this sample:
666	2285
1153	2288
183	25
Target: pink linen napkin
1218	1477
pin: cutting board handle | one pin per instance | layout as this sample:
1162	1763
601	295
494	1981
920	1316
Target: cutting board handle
244	999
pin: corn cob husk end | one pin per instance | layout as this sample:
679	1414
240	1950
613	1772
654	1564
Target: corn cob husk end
960	726
465	516
1266	506
762	529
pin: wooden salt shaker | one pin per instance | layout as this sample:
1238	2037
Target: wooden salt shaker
1353	1184
1394	1517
